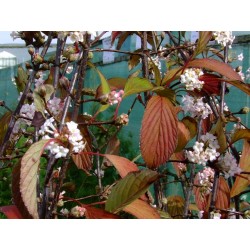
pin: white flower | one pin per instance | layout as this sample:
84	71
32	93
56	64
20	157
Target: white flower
215	215
229	165
200	214
69	69
190	79
75	137
240	57
76	36
58	151
28	110
101	173
206	178
242	75
204	151
55	105
196	107
48	127
224	38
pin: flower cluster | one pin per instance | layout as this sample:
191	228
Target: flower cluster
205	150
78	211
57	150
196	107
190	79
115	97
75	137
206	179
28	111
55	105
229	165
224	38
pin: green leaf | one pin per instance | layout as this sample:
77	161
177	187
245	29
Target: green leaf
38	100
204	38
136	85
240	134
21	79
128	189
105	89
135	74
171	75
219	131
165	92
28	175
104	82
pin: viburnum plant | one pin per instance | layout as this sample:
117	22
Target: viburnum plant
186	123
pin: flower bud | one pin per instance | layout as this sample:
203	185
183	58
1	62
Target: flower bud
238	69
37	75
73	57
64	82
30	98
28	66
37	59
90	55
104	99
45	66
31	51
42	91
244	110
122	120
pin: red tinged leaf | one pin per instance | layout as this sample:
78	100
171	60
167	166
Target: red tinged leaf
216	66
241	183
122	165
113	148
83	161
159	132
222	197
212	84
98	213
179	156
28	175
142	210
183	136
114	35
11	212
16	194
